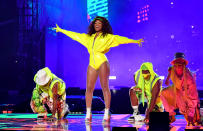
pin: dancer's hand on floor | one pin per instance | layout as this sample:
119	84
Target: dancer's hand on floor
146	121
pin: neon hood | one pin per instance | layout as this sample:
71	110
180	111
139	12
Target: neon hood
140	83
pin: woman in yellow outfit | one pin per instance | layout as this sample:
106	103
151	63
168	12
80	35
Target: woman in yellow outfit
98	41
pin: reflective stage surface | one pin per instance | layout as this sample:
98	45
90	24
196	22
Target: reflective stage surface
75	122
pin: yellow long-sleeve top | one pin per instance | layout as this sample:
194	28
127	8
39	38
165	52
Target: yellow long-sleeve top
99	46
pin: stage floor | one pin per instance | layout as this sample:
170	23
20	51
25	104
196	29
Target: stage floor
75	122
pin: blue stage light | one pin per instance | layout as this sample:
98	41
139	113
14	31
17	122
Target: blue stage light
97	8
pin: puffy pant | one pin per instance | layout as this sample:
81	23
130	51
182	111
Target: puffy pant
172	101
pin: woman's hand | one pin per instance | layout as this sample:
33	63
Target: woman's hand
140	42
57	28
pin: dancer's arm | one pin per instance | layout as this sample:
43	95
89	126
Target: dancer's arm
191	93
55	99
81	38
155	94
116	40
167	82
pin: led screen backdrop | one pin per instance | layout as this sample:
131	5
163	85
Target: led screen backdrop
166	26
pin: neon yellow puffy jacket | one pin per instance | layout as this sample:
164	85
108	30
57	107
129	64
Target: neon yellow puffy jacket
98	47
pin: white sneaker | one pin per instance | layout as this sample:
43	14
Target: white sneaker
131	119
138	117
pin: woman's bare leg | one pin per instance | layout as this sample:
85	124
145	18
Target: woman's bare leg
104	72
133	98
92	75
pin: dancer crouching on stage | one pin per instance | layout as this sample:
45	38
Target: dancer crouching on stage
182	94
51	91
147	89
98	41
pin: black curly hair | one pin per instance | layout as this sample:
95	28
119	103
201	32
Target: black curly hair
106	27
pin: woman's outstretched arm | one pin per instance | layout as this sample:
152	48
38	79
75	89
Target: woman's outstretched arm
117	40
81	38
